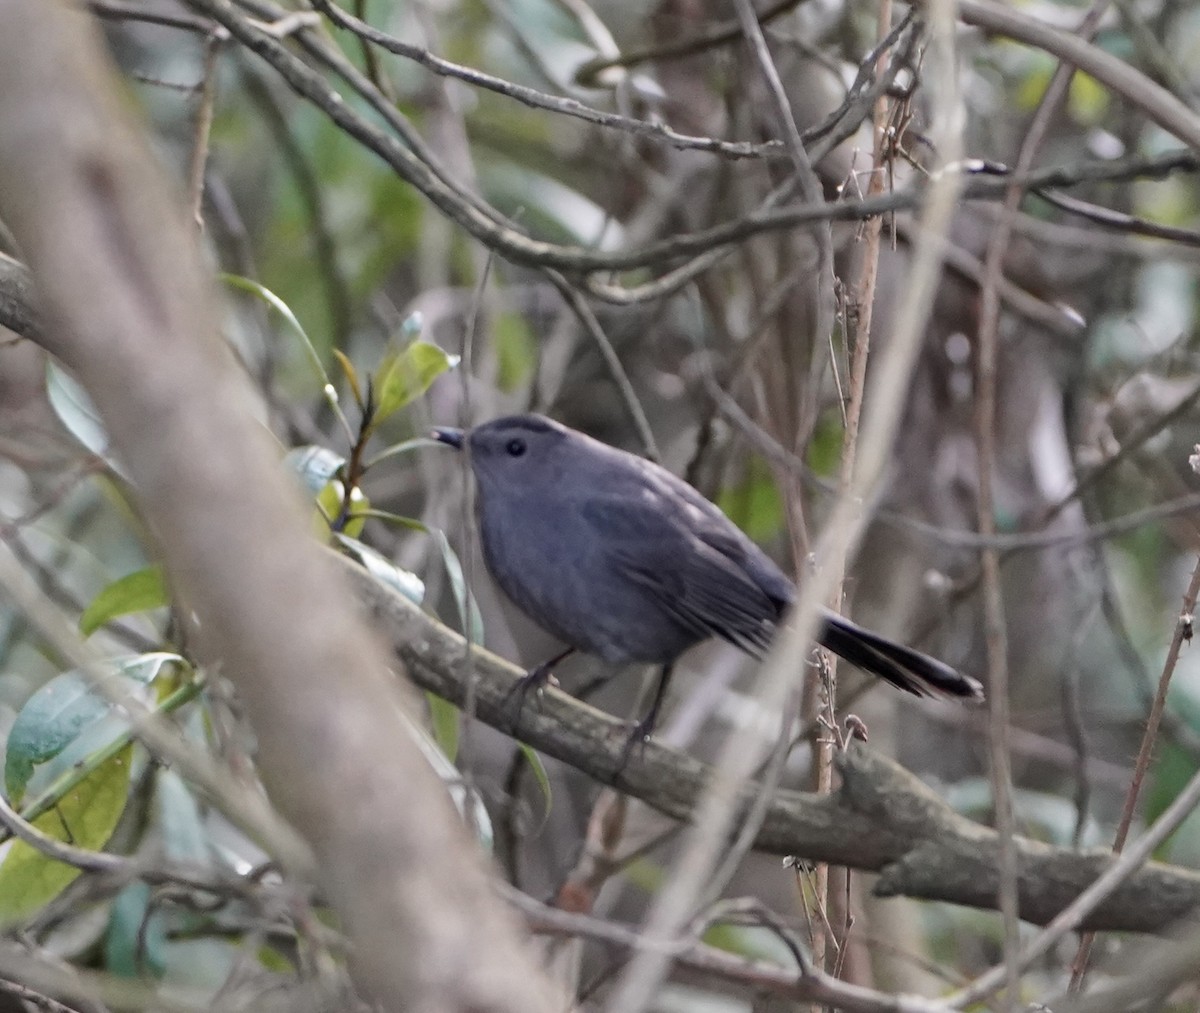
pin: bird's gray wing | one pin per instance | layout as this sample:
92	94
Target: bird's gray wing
712	527
653	541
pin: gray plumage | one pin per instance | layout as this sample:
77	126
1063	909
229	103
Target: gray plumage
617	557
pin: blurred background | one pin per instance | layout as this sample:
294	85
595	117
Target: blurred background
1097	387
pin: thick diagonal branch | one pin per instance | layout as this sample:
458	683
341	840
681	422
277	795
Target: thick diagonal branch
883	819
126	304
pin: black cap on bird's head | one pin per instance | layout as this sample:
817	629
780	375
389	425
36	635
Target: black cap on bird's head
518	457
505	449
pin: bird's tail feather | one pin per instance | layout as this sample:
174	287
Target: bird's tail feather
903	667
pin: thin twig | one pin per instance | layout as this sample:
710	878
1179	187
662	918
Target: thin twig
806	983
857	334
411	160
985	421
1182	634
542	100
822	299
1135	87
204	120
717	35
1072	916
612	361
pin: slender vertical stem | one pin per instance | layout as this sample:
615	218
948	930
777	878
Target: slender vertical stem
985	424
203	128
1183	632
858	333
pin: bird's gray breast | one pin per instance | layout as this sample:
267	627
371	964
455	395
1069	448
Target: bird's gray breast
553	562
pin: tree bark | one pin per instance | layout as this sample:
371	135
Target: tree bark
126	304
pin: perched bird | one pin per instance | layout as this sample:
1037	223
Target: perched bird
616	557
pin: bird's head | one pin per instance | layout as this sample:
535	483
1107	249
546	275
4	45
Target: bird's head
514	453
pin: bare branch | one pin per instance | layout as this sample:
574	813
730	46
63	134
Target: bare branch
128	307
1128	82
883	819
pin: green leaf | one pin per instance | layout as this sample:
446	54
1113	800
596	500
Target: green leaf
315	465
443	715
319	470
468	611
179	823
466	799
136	939
75	410
329	508
404	447
404	375
383	569
351	375
60	712
180	820
139	591
75	764
85	817
282	308
538	769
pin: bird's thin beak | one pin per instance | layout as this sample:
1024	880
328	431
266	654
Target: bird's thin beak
450	437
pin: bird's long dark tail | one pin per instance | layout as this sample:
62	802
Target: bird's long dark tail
903	667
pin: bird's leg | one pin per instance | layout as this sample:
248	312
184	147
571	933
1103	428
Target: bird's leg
534	679
642	730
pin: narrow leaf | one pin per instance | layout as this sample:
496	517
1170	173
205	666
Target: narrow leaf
139	591
351	375
539	774
468	612
383	569
404	447
444	717
75	410
283	309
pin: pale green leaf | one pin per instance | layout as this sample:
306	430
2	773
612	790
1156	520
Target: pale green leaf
139	591
60	712
384	570
404	375
468	612
538	770
444	717
85	817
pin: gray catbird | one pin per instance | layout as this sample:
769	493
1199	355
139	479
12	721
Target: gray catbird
617	557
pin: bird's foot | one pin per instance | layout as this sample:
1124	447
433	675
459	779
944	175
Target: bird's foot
535	680
639	735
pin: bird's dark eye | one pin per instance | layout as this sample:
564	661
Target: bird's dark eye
515	447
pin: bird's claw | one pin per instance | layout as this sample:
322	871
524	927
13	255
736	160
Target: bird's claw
536	680
639	736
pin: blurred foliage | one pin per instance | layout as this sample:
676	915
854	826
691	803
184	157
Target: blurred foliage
363	314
